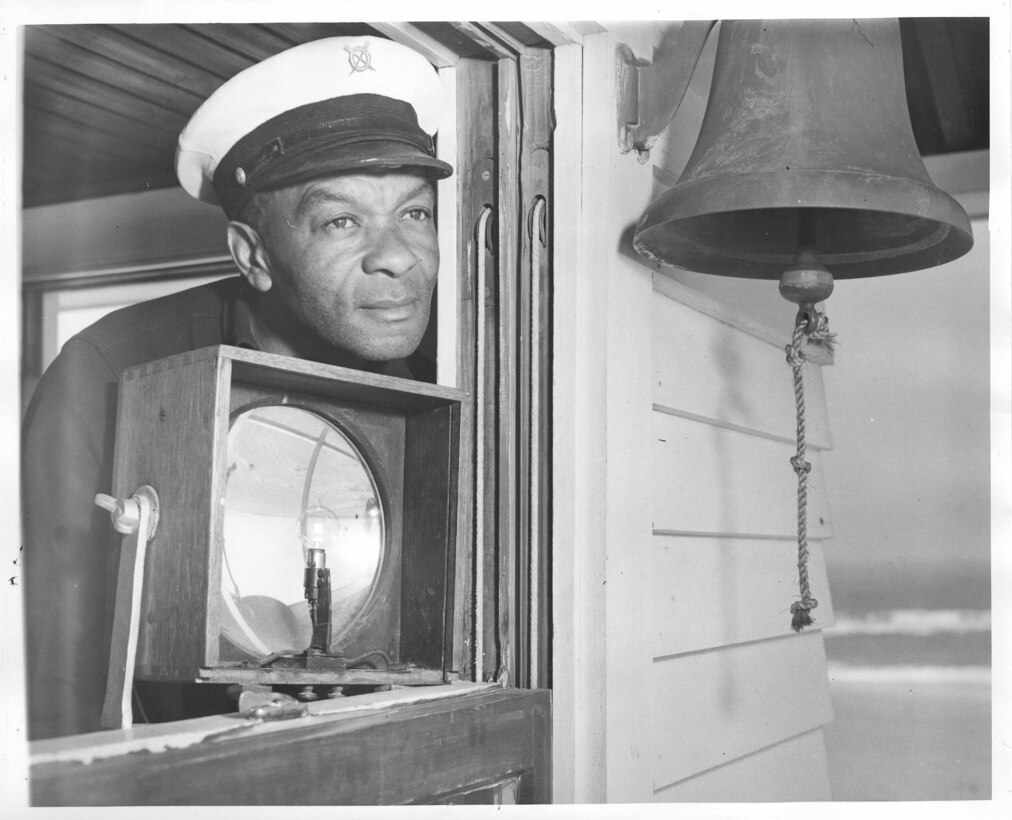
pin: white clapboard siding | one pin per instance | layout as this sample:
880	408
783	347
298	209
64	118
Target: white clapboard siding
737	698
792	771
709	592
709	479
714	706
711	369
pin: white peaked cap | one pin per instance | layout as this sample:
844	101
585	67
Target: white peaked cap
301	109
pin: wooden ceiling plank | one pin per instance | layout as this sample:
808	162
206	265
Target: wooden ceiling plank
88	142
74	58
298	33
70	177
47	102
252	41
126	46
69	165
101	95
38	170
190	46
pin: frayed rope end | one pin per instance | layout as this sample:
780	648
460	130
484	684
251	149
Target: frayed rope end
801	614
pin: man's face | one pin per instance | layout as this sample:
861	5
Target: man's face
353	259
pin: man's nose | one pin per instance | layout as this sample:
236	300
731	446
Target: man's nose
389	252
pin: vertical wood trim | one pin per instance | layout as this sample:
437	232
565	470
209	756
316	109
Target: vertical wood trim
629	531
475	184
534	540
617	181
430	464
534	368
479	451
578	399
448	293
216	534
508	262
566	262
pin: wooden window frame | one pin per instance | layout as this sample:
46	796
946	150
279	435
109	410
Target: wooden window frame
502	159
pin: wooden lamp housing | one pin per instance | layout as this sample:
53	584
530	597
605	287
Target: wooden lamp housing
173	422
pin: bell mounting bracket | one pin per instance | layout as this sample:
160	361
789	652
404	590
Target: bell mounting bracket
649	93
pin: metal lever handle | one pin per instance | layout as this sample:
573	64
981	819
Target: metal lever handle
124	512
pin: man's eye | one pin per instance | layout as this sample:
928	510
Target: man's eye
419	214
341	222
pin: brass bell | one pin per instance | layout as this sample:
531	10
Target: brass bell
806	157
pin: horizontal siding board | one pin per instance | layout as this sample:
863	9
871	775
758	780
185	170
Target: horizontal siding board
713	370
793	771
708	592
712	707
709	479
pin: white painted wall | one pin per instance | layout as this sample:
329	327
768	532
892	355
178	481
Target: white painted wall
118	231
676	675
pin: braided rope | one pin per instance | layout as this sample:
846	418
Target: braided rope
801	610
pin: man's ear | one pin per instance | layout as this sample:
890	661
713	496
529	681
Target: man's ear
250	255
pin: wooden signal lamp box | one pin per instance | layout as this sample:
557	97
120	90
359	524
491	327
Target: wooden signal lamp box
265	468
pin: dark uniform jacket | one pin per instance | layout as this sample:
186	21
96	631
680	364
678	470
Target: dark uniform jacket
69	547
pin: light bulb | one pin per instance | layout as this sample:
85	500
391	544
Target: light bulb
319	527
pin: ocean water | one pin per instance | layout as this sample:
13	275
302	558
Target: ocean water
948	643
909	663
918	621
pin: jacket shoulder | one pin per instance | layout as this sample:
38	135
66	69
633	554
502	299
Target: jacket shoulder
192	318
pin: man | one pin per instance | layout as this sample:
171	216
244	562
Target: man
323	161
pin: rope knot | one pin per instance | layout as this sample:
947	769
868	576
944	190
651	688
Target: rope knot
795	358
801	467
801	613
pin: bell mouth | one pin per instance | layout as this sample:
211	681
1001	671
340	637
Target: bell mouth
747	225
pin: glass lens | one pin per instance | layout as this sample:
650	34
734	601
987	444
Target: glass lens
295	482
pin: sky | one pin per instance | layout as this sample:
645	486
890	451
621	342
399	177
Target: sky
908	476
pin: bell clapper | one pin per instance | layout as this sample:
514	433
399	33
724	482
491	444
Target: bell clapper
806	283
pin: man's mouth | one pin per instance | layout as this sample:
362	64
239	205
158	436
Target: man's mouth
391	309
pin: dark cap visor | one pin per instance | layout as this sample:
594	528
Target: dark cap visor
336	136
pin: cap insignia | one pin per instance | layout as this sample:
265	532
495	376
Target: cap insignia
359	58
